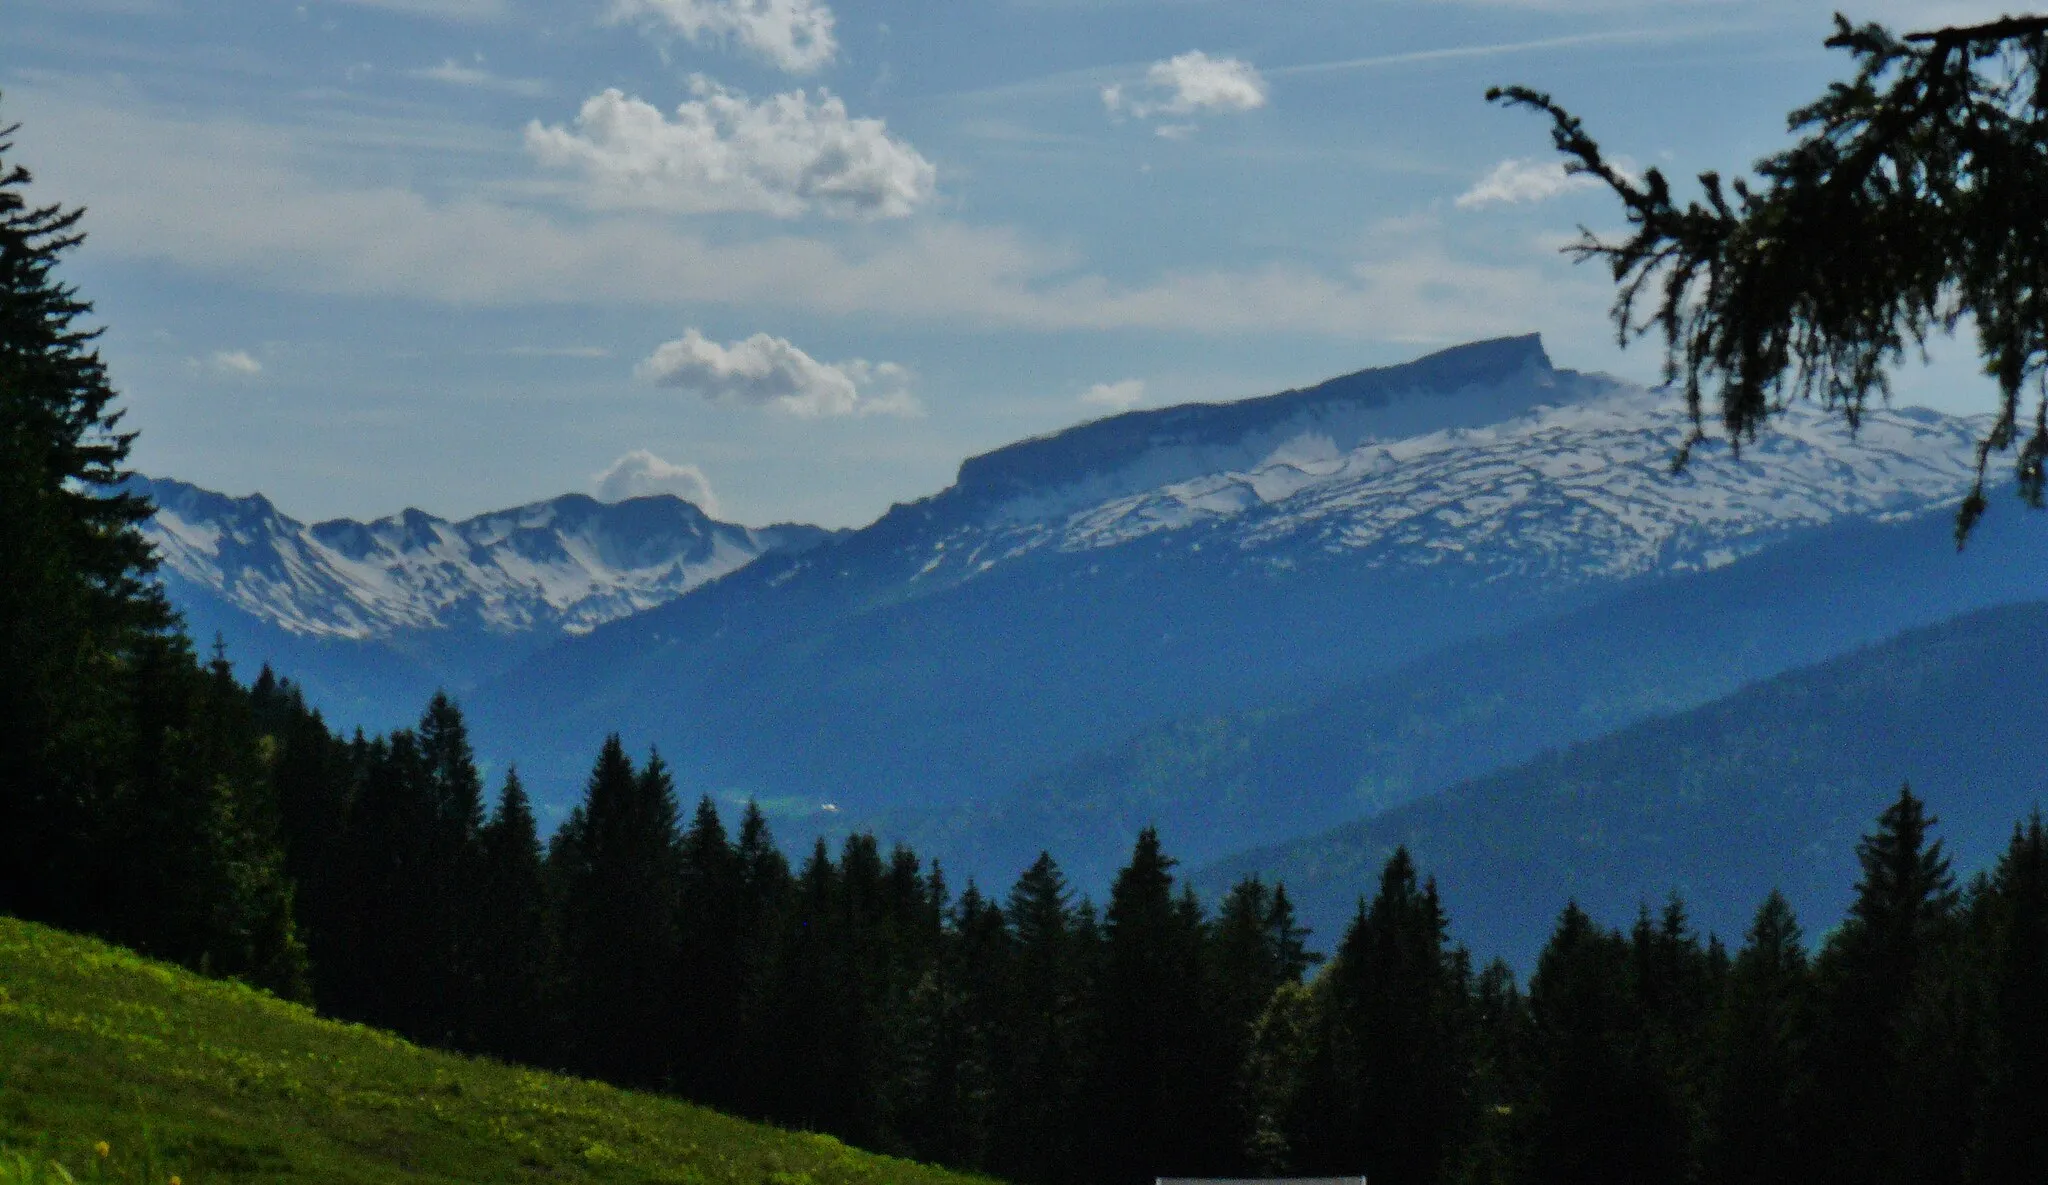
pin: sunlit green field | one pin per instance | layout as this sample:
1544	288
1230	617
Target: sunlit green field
113	1067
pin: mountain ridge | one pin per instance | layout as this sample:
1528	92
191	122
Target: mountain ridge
565	564
1765	788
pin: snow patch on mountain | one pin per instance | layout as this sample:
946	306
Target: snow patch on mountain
1577	485
565	566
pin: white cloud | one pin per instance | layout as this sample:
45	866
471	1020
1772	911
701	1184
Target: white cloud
235	198
237	363
640	473
1524	180
1119	396
794	34
783	156
764	371
1188	84
455	73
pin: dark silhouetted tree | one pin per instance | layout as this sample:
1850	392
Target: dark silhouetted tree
2012	1140
510	943
1903	913
1044	1055
1759	1051
1390	1091
616	860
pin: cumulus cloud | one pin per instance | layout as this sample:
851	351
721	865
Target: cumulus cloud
237	363
1523	180
640	473
1119	396
235	198
794	34
764	371
785	156
1189	84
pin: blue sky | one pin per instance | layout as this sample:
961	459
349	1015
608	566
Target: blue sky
797	258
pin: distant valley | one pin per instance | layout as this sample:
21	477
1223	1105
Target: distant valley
1245	622
1766	788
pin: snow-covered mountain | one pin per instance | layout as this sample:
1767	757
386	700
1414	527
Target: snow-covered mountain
1074	590
1147	617
1483	457
557	567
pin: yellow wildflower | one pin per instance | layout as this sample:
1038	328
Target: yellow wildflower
175	1181
102	1149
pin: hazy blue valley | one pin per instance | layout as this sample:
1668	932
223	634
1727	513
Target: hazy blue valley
1288	632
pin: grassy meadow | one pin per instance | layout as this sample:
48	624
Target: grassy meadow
117	1068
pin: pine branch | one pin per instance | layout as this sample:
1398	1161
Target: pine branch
2004	29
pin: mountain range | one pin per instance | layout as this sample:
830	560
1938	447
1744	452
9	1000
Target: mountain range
1245	622
373	616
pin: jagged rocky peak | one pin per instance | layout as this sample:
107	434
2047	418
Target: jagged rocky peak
1463	387
567	564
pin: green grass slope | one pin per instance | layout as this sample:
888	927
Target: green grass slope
213	1081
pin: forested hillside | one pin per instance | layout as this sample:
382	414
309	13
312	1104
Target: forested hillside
1764	789
1216	785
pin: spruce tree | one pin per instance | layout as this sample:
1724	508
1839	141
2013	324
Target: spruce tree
313	776
1044	1054
1390	1094
1760	1044
511	936
1677	986
386	972
77	606
617	918
1599	1110
1157	1067
133	798
1903	914
807	1006
449	893
195	863
711	960
961	1017
2012	1133
765	902
1502	1040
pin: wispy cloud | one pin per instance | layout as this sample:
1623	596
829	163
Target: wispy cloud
465	11
1118	396
764	371
784	155
235	363
1498	49
1524	180
464	74
1189	84
796	35
234	198
558	352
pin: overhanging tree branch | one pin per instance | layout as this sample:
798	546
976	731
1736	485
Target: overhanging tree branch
1909	202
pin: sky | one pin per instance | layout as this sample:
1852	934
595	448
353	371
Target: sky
796	259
